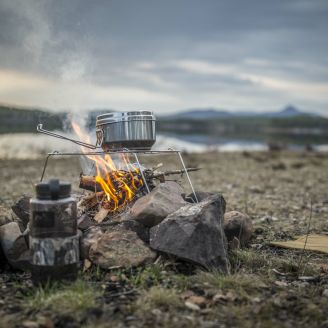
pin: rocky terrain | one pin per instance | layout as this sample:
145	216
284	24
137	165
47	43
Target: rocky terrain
266	287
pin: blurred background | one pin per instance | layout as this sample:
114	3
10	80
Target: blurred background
219	74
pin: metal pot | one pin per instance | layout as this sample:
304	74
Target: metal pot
116	131
131	130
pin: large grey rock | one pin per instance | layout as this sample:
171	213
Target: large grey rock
14	246
238	225
120	248
201	195
163	200
195	233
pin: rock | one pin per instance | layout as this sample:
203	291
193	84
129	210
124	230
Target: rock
279	166
234	244
22	210
120	248
198	300
163	200
201	195
256	190
238	225
88	239
297	165
30	324
5	215
222	298
3	259
195	233
138	228
192	306
14	246
45	322
268	219
84	222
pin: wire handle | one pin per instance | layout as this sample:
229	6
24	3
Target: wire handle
40	129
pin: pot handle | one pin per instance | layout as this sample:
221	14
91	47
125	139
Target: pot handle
49	133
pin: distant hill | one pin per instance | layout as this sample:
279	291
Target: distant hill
196	114
17	119
211	113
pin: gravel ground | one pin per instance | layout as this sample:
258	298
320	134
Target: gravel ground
278	190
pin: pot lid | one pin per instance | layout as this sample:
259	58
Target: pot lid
124	116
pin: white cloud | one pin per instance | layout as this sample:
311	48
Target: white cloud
32	90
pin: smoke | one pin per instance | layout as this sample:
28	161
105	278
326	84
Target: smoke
31	146
46	49
38	35
82	120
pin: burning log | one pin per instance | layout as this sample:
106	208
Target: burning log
89	183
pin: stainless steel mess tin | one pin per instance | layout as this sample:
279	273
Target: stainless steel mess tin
131	130
119	131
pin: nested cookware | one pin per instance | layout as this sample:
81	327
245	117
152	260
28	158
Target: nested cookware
135	130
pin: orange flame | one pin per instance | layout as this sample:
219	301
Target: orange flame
118	185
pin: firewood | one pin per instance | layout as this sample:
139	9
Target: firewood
101	214
88	183
91	200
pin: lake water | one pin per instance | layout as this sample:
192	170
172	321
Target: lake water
28	145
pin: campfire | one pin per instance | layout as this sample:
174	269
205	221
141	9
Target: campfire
114	186
116	183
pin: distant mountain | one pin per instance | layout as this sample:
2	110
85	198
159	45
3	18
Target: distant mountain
195	114
211	113
289	111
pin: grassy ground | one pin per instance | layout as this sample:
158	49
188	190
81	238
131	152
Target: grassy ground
267	287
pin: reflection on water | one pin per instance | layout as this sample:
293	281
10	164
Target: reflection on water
28	145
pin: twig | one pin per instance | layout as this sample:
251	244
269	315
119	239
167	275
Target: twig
306	239
156	167
132	291
172	172
246	201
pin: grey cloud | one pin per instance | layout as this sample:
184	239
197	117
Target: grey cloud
104	41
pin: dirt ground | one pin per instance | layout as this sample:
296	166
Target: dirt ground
267	287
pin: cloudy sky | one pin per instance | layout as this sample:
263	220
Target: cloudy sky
164	55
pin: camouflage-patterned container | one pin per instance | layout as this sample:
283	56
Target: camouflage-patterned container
54	242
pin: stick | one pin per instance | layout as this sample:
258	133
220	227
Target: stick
306	238
152	175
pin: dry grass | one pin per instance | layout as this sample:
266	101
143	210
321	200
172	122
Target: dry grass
157	297
63	298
